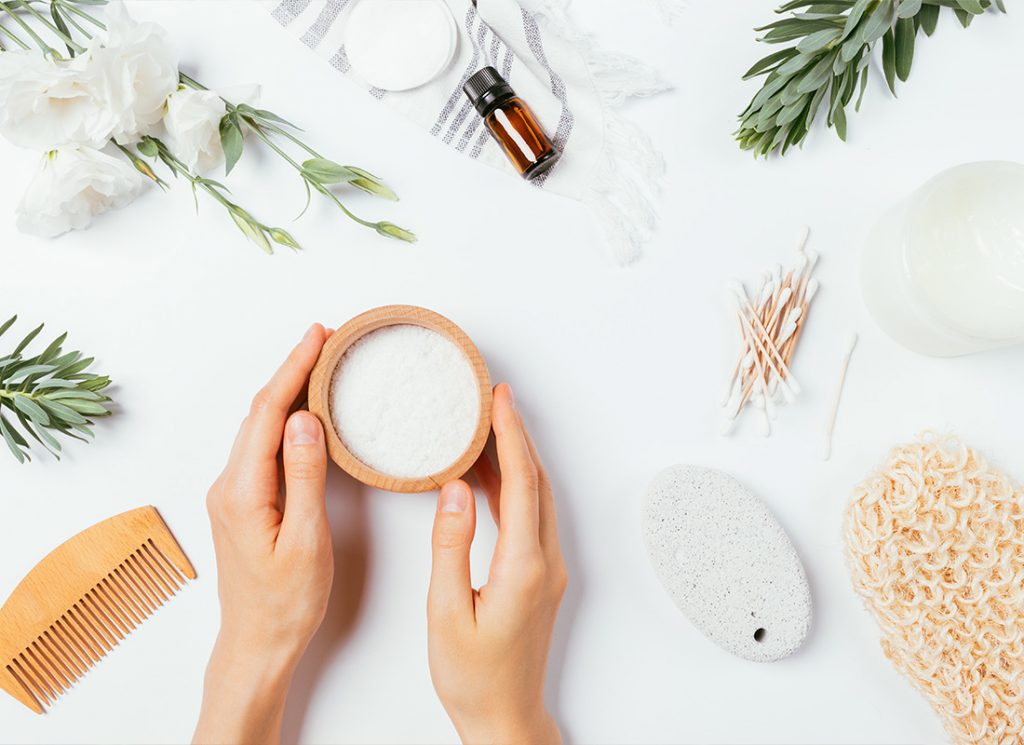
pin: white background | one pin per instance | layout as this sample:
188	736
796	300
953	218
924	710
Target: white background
618	373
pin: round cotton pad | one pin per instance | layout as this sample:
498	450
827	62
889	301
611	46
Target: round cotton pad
727	563
397	45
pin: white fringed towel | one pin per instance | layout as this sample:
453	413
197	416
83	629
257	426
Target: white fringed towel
575	89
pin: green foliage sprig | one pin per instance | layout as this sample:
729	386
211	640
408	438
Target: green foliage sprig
48	394
834	42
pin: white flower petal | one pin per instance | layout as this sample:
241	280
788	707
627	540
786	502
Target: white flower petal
73	185
192	119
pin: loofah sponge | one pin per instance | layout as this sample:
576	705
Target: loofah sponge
935	542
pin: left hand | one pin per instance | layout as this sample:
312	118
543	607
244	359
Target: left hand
274	557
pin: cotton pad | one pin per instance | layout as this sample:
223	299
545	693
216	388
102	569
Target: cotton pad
405	401
397	45
727	563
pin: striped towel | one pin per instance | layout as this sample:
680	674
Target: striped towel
608	163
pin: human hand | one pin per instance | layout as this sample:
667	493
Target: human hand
274	557
488	649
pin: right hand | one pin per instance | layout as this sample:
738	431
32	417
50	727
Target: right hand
488	649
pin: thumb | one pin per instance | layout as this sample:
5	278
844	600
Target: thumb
451	591
305	475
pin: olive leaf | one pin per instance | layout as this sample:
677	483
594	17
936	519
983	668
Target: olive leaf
830	60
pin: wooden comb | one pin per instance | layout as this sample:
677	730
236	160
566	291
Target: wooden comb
84	597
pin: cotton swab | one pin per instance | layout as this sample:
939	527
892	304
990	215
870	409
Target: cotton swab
771	322
767	351
830	427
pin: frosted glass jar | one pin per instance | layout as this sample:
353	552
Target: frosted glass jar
943	272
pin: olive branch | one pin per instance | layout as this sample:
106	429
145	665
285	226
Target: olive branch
49	394
834	44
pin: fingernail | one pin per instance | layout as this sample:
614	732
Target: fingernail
309	333
454	497
304	429
511	396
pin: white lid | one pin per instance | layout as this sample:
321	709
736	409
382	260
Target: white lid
397	45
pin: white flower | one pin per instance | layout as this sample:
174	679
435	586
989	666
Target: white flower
46	103
133	70
192	121
73	185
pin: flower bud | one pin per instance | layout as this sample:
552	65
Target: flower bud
284	238
393	231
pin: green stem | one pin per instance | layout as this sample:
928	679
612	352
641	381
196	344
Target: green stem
191	82
319	187
53	29
28	29
81	14
285	133
13	37
75	23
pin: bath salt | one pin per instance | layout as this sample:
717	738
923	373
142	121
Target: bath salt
405	402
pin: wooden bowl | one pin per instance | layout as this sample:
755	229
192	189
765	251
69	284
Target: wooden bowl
323	375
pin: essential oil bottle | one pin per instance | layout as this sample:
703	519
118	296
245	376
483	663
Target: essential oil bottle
511	123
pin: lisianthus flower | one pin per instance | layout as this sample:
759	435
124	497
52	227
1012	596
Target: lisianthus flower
192	119
46	103
133	70
73	185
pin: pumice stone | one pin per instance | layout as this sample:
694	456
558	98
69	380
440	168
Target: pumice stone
727	563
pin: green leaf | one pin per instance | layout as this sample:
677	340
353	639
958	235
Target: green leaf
32	409
74	393
908	9
839	119
863	86
855	16
818	40
62	413
326	172
817	76
929	16
270	116
878	23
29	371
765	63
8	434
7	324
974	7
889	60
53	350
27	340
906	35
89	408
231	141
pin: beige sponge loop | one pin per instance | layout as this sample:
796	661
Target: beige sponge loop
935	543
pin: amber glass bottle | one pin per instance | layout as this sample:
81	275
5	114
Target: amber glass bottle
511	123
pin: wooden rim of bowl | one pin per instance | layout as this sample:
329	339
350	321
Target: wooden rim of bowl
323	375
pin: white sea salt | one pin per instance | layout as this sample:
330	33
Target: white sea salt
404	401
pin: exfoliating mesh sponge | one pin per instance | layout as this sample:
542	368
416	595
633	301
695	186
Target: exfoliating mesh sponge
935	543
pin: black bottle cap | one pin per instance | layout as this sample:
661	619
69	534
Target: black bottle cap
486	89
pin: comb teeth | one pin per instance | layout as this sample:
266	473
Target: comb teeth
95	623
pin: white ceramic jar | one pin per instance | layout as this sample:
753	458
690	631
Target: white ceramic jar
943	272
